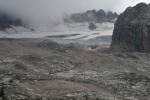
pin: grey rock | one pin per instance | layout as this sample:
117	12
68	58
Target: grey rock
92	26
102	17
116	15
132	30
110	16
99	16
7	21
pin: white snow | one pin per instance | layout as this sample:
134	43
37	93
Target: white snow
60	29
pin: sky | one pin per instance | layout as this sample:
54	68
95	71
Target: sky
44	10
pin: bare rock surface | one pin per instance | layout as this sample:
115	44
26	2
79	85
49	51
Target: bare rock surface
8	21
44	70
132	30
99	16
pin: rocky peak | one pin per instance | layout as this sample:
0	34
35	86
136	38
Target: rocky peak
7	21
90	15
99	16
110	15
132	30
102	13
116	15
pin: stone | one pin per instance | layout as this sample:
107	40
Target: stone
92	26
110	16
132	30
7	21
102	17
99	16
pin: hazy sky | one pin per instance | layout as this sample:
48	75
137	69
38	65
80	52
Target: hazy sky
50	9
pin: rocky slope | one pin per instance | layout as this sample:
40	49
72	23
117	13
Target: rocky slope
99	16
35	69
132	30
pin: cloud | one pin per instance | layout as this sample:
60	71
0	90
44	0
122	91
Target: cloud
46	10
123	4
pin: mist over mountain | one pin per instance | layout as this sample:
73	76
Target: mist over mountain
99	16
8	21
47	11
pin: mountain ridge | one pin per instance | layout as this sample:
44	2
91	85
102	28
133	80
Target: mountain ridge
99	16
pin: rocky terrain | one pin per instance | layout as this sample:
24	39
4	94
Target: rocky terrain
39	69
36	69
132	30
99	16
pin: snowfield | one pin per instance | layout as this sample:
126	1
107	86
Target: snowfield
63	33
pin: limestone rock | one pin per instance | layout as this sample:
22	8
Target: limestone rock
132	30
7	21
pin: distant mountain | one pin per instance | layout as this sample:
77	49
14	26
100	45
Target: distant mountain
7	21
99	16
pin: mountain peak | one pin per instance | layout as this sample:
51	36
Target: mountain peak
132	30
99	16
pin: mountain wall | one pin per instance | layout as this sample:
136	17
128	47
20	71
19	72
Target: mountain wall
99	16
7	21
132	30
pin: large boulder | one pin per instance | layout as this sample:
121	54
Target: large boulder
92	26
132	30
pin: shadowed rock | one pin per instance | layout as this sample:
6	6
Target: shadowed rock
92	26
99	16
110	16
7	21
102	17
132	30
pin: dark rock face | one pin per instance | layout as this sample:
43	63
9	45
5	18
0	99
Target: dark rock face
7	21
99	16
132	30
90	16
110	15
102	17
92	26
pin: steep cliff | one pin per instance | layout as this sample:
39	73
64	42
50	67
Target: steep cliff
132	30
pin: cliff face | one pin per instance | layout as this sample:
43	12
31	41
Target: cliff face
7	21
92	15
132	30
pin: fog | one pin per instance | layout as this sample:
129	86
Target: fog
50	10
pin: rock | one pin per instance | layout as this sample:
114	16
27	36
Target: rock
102	17
75	18
116	15
132	30
7	21
92	26
91	16
2	95
110	16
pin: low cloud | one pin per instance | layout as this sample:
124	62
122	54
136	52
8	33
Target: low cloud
49	10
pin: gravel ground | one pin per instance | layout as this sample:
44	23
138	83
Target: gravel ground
38	69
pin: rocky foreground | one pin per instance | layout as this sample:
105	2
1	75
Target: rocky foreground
44	70
39	69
